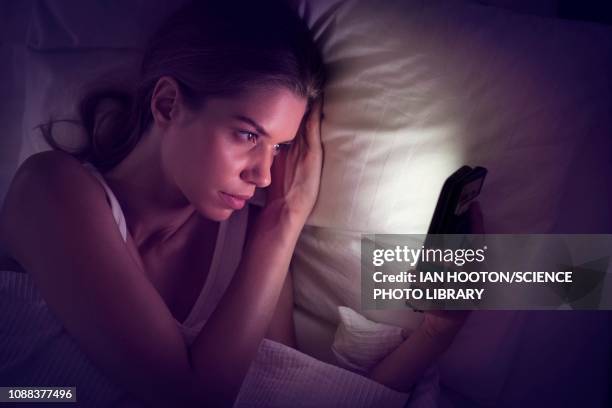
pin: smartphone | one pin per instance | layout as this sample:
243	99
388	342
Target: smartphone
450	216
458	192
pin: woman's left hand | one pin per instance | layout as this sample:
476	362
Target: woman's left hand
445	324
296	174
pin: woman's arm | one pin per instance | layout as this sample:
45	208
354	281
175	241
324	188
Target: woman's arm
403	367
57	224
247	308
229	341
282	326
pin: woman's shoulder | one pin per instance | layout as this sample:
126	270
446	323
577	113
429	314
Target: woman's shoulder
56	172
49	163
45	182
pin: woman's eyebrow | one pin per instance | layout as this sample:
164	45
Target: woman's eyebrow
251	122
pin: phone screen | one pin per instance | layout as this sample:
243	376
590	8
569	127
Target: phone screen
458	192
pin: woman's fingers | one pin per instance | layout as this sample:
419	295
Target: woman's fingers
296	173
447	323
313	125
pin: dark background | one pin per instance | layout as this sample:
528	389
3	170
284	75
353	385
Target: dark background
593	10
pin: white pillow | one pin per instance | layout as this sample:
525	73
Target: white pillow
76	25
417	89
55	81
360	344
73	45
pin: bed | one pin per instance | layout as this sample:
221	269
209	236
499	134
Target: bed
416	88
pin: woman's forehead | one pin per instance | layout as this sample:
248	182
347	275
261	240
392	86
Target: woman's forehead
265	99
268	111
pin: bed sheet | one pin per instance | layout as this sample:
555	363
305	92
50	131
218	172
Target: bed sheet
448	103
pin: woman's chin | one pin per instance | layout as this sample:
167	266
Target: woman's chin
216	214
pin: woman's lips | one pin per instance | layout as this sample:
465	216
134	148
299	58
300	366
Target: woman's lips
232	201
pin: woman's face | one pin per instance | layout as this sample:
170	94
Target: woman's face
219	154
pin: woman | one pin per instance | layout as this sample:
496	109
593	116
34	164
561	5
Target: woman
124	247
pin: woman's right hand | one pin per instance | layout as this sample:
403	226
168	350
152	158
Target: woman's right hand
296	174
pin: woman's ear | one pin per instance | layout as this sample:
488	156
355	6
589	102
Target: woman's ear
165	101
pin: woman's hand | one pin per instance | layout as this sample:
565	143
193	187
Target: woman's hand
296	174
443	325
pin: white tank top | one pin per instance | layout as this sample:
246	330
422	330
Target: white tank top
225	260
36	349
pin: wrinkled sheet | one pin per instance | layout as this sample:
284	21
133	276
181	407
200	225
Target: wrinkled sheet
36	350
284	377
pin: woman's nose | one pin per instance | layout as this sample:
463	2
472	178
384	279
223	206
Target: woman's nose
258	171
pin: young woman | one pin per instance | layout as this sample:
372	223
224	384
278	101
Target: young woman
138	243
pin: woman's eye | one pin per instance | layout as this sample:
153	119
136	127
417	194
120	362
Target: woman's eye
249	136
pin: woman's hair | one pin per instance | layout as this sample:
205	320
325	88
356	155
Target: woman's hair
211	48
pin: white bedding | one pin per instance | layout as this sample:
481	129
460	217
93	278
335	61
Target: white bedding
418	88
44	354
283	377
439	84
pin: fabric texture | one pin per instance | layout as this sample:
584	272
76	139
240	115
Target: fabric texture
112	201
360	343
415	90
35	348
226	256
283	377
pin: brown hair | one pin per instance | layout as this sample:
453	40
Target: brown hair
211	48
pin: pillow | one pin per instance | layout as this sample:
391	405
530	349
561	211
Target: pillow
70	25
68	49
417	89
55	82
359	343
